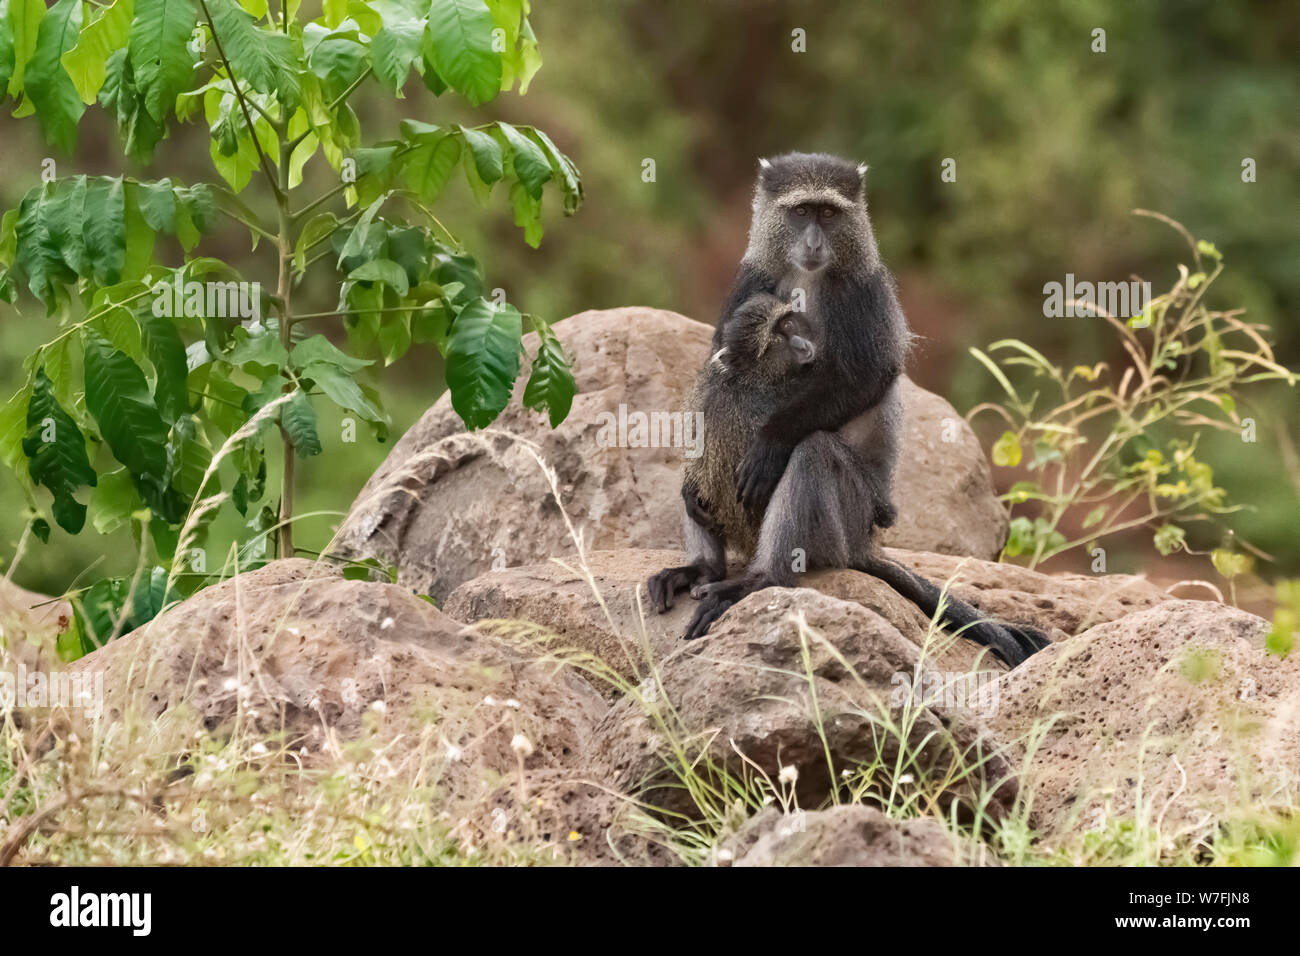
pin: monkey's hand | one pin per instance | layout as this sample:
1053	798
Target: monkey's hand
759	472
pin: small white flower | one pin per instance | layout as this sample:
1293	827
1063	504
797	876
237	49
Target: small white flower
386	623
258	750
726	856
454	752
379	707
521	745
489	701
230	684
294	631
789	774
906	779
512	703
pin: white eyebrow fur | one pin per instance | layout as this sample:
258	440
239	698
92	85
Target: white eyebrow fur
827	197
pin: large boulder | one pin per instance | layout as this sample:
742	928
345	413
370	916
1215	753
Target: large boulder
805	689
1175	715
447	505
849	835
295	649
627	635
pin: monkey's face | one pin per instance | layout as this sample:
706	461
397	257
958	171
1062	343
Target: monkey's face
817	227
791	339
810	214
766	340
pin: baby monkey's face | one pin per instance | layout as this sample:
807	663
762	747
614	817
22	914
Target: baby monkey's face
792	333
767	340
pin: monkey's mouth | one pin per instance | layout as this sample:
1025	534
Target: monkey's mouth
809	262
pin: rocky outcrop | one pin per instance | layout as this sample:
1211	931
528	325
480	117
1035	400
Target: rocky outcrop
448	505
850	835
621	633
294	648
1175	715
794	686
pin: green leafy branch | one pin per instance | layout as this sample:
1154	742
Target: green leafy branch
155	366
1086	431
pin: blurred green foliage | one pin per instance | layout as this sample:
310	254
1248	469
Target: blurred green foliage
1054	145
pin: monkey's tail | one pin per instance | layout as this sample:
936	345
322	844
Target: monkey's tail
1011	643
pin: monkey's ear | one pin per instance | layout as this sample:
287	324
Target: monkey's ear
862	173
764	167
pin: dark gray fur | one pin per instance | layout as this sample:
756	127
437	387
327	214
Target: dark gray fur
800	444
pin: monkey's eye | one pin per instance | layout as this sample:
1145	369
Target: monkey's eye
829	212
801	210
785	327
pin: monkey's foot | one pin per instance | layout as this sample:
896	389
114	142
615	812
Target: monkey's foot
886	514
668	583
715	599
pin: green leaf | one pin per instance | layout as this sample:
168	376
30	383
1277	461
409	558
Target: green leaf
1208	249
42	230
119	326
190	459
260	349
528	213
52	92
1280	640
1020	538
150	597
397	45
87	62
24	25
13	429
117	395
570	180
166	350
56	453
6	48
531	165
1006	450
157	203
550	386
1094	516
317	229
1169	538
458	43
1230	563
382	270
120	98
104	229
395	335
262	59
343	391
113	501
161	61
319	349
483	361
299	421
429	166
488	159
